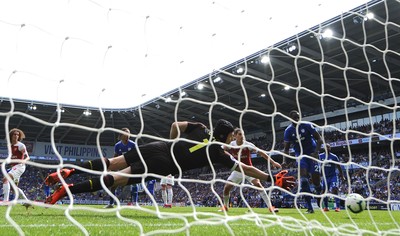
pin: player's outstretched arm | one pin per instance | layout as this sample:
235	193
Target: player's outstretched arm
272	161
177	128
180	126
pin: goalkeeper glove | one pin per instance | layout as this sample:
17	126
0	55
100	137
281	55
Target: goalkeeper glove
283	181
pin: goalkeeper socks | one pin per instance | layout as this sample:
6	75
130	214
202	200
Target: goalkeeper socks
226	200
92	185
94	165
6	191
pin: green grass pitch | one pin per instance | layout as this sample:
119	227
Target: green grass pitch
128	220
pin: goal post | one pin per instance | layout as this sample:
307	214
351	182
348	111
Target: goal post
342	75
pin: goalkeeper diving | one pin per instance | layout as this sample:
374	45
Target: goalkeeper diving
191	146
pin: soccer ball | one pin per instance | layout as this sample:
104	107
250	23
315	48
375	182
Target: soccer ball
355	203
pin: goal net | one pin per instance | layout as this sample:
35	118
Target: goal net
341	74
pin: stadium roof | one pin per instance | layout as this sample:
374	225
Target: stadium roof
359	64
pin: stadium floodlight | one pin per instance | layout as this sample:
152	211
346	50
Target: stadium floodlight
87	112
217	79
168	99
328	33
239	70
359	18
60	109
291	47
32	107
265	59
199	86
369	16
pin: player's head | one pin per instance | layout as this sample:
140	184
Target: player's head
239	134
328	147
122	136
294	115
17	132
223	129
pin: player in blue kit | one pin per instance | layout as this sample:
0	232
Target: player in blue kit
138	188
306	144
122	146
151	185
331	180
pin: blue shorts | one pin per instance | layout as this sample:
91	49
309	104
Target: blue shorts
47	191
331	182
309	164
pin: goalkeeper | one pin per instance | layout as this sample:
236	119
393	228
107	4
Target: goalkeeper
197	150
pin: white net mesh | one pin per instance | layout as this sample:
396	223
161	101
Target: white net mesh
344	81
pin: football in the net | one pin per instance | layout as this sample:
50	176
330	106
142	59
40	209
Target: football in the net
355	203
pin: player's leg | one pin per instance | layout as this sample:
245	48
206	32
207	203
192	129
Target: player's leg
316	177
17	171
115	163
264	196
14	173
326	185
21	193
304	182
235	177
150	186
335	191
6	188
19	190
135	194
316	180
164	194
91	185
159	163
227	191
111	202
170	195
97	164
46	190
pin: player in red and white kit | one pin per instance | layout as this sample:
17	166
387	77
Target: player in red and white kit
19	156
245	149
166	190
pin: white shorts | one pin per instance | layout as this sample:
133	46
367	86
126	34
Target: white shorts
16	171
169	180
237	177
